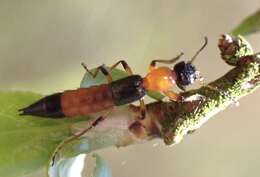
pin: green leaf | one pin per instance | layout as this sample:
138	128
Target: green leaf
249	25
26	142
102	169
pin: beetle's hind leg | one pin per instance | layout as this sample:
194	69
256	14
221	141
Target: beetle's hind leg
76	136
173	96
142	109
104	70
125	66
101	68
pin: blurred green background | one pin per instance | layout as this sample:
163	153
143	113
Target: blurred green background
42	44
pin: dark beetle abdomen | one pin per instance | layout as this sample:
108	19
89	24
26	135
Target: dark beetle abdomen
84	101
127	90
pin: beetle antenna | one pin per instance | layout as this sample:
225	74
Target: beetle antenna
197	53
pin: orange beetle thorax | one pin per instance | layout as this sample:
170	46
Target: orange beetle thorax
160	79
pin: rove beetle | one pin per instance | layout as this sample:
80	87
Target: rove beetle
84	101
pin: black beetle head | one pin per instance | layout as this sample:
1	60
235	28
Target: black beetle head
186	74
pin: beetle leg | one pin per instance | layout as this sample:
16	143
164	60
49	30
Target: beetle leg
78	135
171	61
183	88
101	68
142	109
173	96
125	65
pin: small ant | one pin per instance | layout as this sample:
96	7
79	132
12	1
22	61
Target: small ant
84	101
